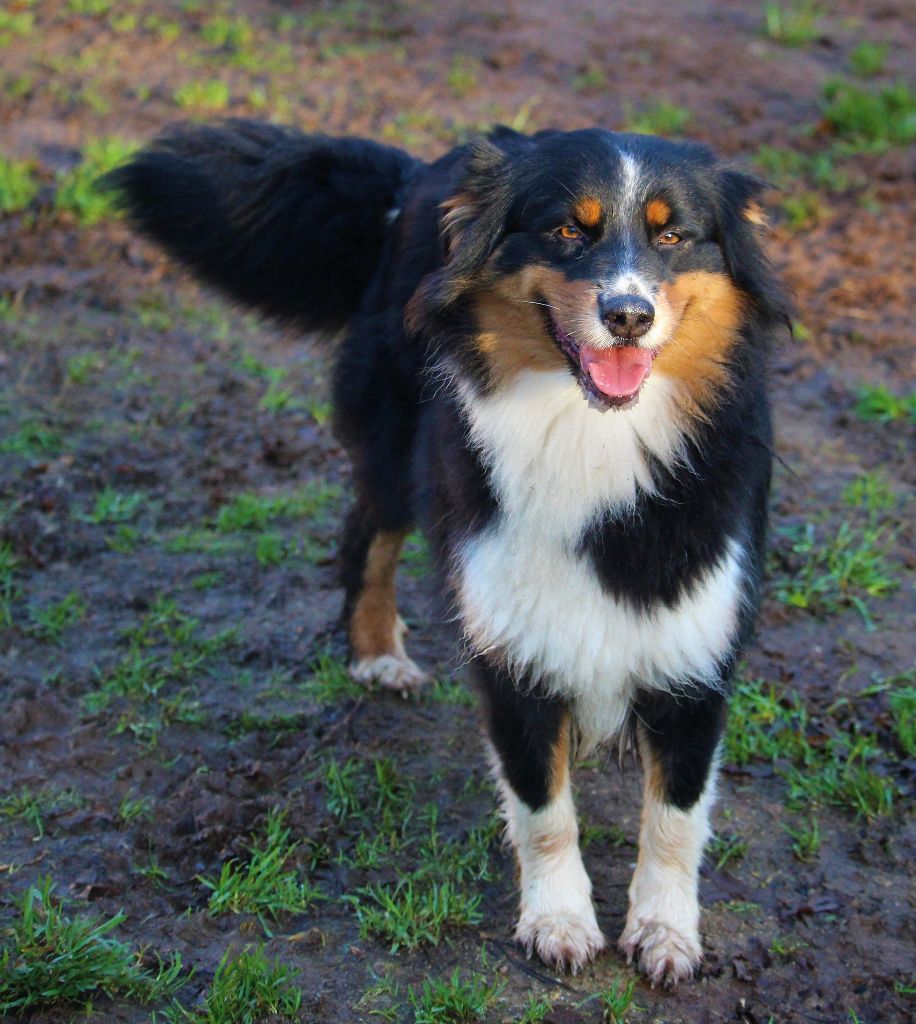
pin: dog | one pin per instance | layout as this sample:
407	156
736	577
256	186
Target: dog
554	361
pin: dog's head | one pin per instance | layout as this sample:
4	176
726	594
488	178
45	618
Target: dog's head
611	255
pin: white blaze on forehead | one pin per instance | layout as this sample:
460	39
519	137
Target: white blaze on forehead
629	200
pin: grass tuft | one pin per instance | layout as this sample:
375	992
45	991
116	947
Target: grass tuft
411	913
454	1000
661	118
265	885
617	1000
53	958
78	193
869	120
18	185
794	24
881	405
247	990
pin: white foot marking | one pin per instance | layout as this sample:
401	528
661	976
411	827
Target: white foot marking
390	671
563	940
556	919
662	953
662	932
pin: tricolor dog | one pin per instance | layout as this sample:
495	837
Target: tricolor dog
554	361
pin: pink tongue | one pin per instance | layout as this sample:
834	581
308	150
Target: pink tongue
616	372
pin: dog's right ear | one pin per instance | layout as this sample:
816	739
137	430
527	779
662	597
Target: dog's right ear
472	221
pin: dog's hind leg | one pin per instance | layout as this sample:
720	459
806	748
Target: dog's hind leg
530	738
369	559
678	735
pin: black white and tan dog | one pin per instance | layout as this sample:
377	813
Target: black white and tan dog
555	363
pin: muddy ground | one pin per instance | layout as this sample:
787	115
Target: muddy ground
171	674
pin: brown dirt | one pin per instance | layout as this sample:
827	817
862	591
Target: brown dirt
171	409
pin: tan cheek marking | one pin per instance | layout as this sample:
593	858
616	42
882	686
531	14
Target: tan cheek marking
511	336
709	308
658	213
756	215
374	621
588	211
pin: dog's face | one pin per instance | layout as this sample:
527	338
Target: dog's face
614	256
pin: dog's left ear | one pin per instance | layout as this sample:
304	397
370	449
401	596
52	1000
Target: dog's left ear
742	224
472	221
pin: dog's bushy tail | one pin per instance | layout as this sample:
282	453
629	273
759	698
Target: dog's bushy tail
291	224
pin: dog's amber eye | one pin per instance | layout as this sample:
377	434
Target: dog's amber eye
570	232
669	238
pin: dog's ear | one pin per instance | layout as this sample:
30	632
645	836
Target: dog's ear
471	223
742	223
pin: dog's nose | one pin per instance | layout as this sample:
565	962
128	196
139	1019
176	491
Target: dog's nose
626	316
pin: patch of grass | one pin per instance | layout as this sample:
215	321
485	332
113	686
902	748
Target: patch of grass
793	24
868	59
232	33
869	120
8	589
32	440
266	884
871	493
329	681
207	580
878	403
804	210
462	76
78	193
246	990
590	79
806	840
253	511
536	1009
112	506
824	575
33	806
80	367
207	96
410	913
819	763
15	24
51	622
53	958
447	690
135	808
617	1000
123	540
844	774
786	947
903	709
165	646
454	1000
661	118
723	849
18	184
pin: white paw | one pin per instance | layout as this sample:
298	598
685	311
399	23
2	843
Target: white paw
389	671
664	954
564	941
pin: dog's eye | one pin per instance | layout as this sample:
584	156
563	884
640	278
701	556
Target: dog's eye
669	238
570	232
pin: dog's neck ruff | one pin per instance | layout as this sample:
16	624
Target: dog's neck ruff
556	463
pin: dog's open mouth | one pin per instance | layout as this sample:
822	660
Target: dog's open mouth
610	377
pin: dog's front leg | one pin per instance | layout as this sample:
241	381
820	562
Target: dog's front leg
678	737
530	738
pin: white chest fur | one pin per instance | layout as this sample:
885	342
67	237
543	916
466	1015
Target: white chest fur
557	465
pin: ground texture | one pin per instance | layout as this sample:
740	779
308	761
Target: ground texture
170	492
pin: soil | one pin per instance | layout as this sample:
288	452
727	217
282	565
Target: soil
150	386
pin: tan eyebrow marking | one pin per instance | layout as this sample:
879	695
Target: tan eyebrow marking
588	211
658	213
